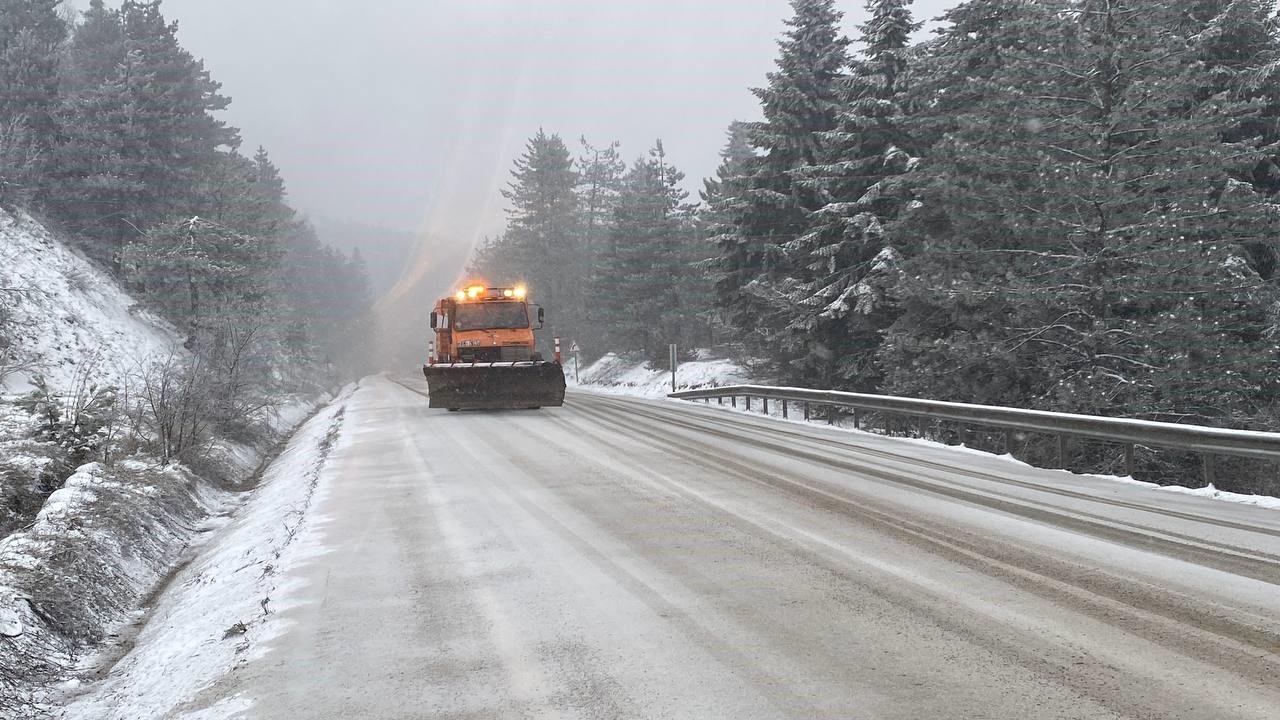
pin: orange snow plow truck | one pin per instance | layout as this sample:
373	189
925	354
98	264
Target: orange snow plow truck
483	356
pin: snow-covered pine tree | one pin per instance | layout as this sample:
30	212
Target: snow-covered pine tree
246	195
178	99
135	145
640	282
543	238
1081	244
800	103
195	269
728	181
1239	43
601	170
95	50
952	72
323	301
31	35
841	307
722	199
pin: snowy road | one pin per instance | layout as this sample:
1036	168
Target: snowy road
618	558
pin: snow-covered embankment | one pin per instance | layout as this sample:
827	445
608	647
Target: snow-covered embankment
617	374
215	613
88	545
68	317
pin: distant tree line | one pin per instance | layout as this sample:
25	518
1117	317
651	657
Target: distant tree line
109	131
610	249
1056	204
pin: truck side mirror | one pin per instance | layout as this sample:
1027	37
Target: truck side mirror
435	320
542	316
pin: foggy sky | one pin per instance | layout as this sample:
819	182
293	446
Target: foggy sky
408	113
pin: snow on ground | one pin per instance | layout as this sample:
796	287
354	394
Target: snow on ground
775	412
99	544
103	542
217	611
1208	491
618	375
68	313
613	373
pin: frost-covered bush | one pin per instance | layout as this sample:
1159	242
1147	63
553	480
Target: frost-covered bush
19	163
80	423
30	468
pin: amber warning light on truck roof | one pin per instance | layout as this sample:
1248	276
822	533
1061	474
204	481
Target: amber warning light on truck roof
479	292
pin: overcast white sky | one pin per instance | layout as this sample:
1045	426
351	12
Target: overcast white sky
407	113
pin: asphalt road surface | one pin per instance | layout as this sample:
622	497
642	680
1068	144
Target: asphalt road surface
618	558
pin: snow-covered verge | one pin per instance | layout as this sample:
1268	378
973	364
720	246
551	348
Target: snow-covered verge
613	373
66	316
82	549
1208	491
843	423
217	611
100	545
618	375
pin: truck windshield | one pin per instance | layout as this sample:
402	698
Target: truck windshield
488	316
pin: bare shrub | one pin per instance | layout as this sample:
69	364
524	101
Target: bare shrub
238	350
175	397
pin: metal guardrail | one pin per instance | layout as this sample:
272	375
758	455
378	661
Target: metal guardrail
1207	441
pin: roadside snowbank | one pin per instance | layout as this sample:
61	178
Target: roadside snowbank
68	316
613	373
617	375
1208	491
842	424
98	547
216	609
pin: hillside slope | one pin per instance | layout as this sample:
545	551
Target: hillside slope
68	316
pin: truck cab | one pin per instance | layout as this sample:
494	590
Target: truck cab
485	325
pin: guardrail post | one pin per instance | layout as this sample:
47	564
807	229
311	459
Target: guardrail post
719	399
764	404
921	422
831	414
784	409
733	400
1008	442
857	419
806	411
1062	451
748	403
1210	471
1128	460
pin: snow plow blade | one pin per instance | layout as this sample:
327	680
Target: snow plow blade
495	386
